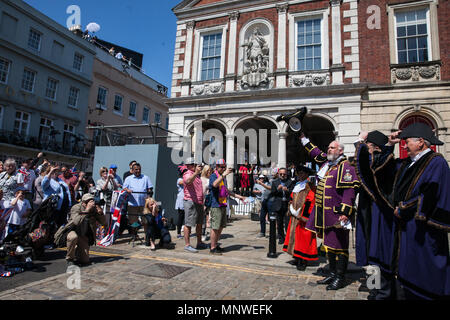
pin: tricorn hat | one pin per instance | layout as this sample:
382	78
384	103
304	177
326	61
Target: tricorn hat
377	138
420	130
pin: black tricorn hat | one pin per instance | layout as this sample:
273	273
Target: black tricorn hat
303	168
295	119
377	138
420	130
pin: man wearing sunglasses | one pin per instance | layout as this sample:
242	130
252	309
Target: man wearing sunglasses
278	201
219	190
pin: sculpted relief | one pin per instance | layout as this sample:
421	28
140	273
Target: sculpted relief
256	61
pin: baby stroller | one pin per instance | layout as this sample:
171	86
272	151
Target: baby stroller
36	232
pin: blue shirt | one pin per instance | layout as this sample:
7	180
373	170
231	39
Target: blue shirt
51	186
137	184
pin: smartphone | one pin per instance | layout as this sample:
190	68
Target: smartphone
111	171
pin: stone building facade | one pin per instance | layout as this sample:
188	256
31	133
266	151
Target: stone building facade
240	64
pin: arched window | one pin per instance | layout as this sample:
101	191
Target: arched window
411	120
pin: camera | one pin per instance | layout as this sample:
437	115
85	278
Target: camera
98	201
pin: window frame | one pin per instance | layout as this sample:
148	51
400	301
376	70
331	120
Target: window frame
40	39
131	117
158	114
2	108
148	115
56	89
121	104
7	71
45	126
201	58
81	62
34	80
21	121
99	105
432	28
198	50
77	97
427	20
293	18
297	46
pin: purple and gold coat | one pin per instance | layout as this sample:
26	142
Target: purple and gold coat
335	196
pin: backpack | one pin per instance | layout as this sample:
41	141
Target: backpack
208	200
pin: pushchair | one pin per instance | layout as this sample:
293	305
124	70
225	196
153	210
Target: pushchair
37	232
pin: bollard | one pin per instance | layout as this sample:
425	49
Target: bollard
272	235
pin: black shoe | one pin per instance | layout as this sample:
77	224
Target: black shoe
337	283
215	252
219	248
281	241
301	265
84	264
292	262
328	279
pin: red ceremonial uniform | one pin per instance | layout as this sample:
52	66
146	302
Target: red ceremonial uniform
304	244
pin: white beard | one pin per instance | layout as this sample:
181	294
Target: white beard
332	157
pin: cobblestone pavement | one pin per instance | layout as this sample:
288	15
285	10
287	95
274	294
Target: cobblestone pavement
243	272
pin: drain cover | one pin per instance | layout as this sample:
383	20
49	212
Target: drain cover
161	270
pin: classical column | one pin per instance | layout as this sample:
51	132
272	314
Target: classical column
230	159
231	74
186	82
281	52
337	68
282	149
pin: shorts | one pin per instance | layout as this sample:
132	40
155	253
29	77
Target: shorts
218	218
193	213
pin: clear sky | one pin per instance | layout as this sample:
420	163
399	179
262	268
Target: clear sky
145	26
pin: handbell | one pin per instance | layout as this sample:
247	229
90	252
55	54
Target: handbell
294	120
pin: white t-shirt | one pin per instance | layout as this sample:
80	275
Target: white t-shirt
17	213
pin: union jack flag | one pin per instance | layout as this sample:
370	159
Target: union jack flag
118	201
23	175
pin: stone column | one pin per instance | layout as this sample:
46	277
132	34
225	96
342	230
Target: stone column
282	149
230	159
281	52
337	68
186	82
231	67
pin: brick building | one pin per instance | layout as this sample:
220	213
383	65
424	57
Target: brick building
240	64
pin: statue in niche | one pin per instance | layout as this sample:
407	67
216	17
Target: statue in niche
257	62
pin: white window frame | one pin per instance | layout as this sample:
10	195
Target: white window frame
68	129
21	121
6	72
159	115
135	110
121	105
77	97
148	115
45	125
47	88
198	48
293	18
102	105
432	27
81	62
40	39
34	80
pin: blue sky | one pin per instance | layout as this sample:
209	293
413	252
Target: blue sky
146	26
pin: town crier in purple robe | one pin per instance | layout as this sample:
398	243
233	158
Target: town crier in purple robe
422	208
335	196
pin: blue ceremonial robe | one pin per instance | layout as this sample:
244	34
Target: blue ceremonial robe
421	251
375	217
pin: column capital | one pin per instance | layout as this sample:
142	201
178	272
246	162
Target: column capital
230	136
190	25
282	8
335	3
234	15
282	135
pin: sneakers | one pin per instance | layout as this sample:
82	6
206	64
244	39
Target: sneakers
201	246
190	249
215	252
180	236
260	235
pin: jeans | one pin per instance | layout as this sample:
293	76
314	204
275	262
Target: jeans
154	232
262	216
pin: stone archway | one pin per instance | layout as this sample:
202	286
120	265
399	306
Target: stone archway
211	141
318	129
411	119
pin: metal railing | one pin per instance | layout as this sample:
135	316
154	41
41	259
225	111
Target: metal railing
73	145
